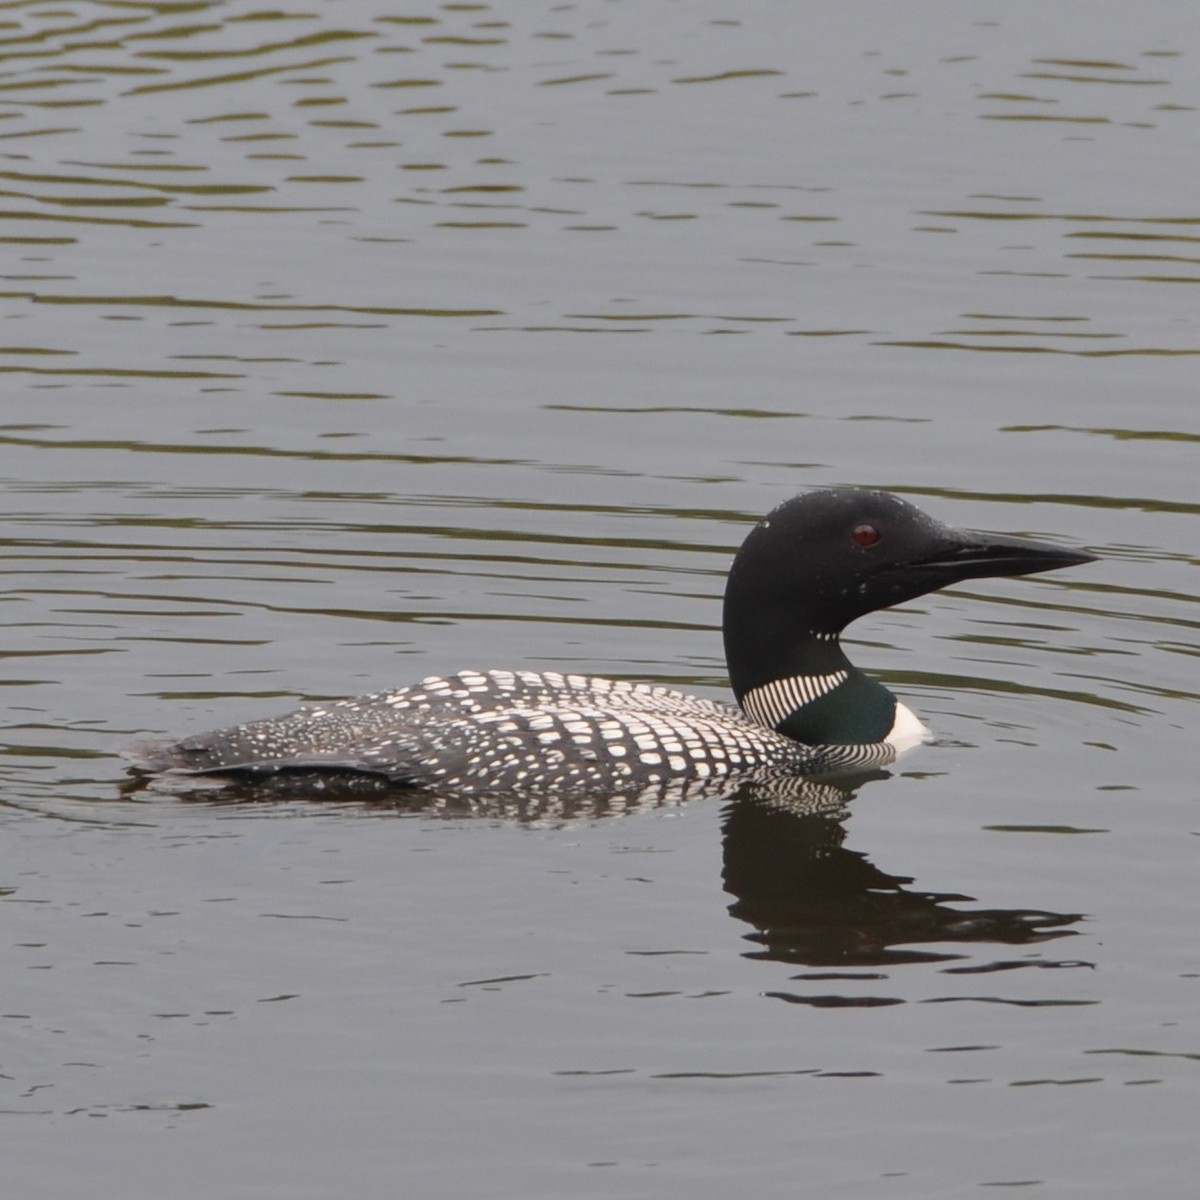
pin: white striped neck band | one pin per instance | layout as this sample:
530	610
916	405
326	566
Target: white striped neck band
776	701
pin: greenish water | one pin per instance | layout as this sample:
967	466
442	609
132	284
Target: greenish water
344	346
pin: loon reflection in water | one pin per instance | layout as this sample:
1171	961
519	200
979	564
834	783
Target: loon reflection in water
805	572
808	898
813	901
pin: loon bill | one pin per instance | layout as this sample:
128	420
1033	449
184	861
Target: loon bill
805	572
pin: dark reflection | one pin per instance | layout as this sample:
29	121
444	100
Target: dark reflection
810	900
813	901
547	808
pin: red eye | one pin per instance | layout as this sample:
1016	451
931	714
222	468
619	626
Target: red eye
865	535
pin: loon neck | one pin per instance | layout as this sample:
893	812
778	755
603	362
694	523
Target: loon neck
813	693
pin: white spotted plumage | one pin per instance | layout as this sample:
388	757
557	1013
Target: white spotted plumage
494	731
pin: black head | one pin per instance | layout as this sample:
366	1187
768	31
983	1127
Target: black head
822	559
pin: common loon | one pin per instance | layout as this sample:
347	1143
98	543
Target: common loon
804	572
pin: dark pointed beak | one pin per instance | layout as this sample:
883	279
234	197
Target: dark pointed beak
968	554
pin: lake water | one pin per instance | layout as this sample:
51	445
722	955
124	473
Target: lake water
345	345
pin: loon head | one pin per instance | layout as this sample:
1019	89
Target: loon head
818	562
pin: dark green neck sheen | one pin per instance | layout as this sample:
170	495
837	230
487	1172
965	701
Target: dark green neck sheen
859	710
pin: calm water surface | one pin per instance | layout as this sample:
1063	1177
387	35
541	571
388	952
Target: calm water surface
343	345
